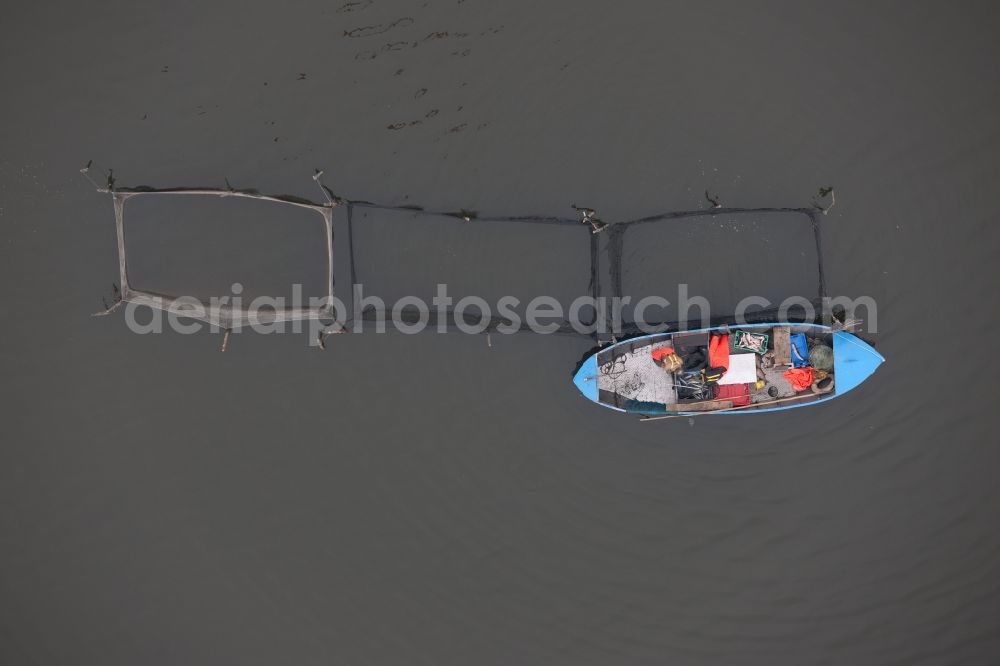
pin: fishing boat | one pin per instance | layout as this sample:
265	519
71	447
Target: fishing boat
749	369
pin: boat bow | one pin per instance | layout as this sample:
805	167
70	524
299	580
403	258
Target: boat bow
854	361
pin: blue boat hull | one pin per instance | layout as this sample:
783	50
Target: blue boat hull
854	362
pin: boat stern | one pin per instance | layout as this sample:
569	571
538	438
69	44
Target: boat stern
854	361
585	378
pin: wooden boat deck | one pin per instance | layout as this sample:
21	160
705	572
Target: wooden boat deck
627	373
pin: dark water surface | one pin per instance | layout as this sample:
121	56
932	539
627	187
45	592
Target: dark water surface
431	500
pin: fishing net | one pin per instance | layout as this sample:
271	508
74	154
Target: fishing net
728	254
566	258
216	312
